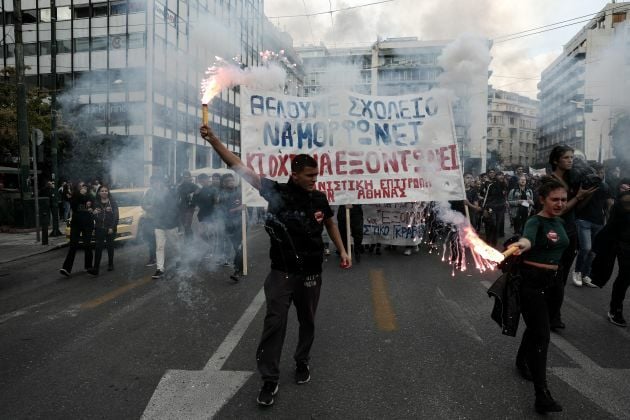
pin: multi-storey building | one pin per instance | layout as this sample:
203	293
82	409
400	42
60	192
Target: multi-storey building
134	67
393	66
512	120
578	94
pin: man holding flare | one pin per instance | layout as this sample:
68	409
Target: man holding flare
296	217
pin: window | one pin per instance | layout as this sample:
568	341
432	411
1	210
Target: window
136	40
7	18
29	16
99	9
81	44
82	11
118	8
44	15
44	48
64	46
99	43
30	49
137	6
64	13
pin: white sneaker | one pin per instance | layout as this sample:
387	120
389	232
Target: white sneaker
407	251
577	279
586	280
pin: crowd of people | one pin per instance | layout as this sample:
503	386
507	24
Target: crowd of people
91	211
573	214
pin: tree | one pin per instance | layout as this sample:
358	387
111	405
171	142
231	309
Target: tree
38	113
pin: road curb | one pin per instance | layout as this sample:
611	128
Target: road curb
32	254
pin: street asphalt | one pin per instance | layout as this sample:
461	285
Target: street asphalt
398	337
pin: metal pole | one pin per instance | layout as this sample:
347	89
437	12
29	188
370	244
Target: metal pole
348	233
35	183
53	120
244	237
22	118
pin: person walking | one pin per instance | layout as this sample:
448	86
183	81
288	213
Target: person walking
494	207
81	227
166	223
66	195
613	241
105	212
185	193
561	161
230	205
521	201
150	208
589	219
296	217
542	246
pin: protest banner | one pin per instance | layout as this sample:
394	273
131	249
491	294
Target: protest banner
369	149
393	224
537	172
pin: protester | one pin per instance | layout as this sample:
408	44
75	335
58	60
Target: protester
150	212
613	241
494	206
356	228
166	222
521	200
185	191
296	217
66	195
105	212
230	203
514	179
561	161
590	219
542	245
81	227
472	199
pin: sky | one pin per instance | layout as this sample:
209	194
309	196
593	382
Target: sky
516	64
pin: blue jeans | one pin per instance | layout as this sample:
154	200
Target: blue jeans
586	233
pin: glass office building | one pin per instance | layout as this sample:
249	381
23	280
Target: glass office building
132	69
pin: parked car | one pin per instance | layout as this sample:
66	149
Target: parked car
129	202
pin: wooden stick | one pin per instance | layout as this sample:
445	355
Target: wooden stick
511	250
204	114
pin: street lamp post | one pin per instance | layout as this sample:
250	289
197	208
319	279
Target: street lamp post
53	120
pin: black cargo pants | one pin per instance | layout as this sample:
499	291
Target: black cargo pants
280	290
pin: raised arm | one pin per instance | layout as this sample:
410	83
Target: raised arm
231	160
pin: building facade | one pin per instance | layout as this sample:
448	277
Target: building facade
394	66
512	127
581	91
133	70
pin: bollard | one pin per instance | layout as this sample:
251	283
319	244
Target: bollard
44	228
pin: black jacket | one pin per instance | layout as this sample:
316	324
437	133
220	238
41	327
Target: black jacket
81	205
613	239
507	309
166	209
107	217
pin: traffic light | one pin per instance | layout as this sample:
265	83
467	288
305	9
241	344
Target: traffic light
588	105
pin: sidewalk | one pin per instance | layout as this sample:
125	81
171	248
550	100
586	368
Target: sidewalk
15	246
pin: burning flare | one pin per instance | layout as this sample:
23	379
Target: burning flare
485	256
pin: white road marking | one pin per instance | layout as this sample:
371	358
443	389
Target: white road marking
23	311
201	394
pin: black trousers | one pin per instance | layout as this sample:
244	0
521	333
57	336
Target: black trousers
494	223
620	286
79	233
280	290
103	240
537	307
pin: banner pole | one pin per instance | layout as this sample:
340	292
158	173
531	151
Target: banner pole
244	238
349	250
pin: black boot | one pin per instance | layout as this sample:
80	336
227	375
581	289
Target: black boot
545	403
523	369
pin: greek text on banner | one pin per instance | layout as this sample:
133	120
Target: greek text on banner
369	149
